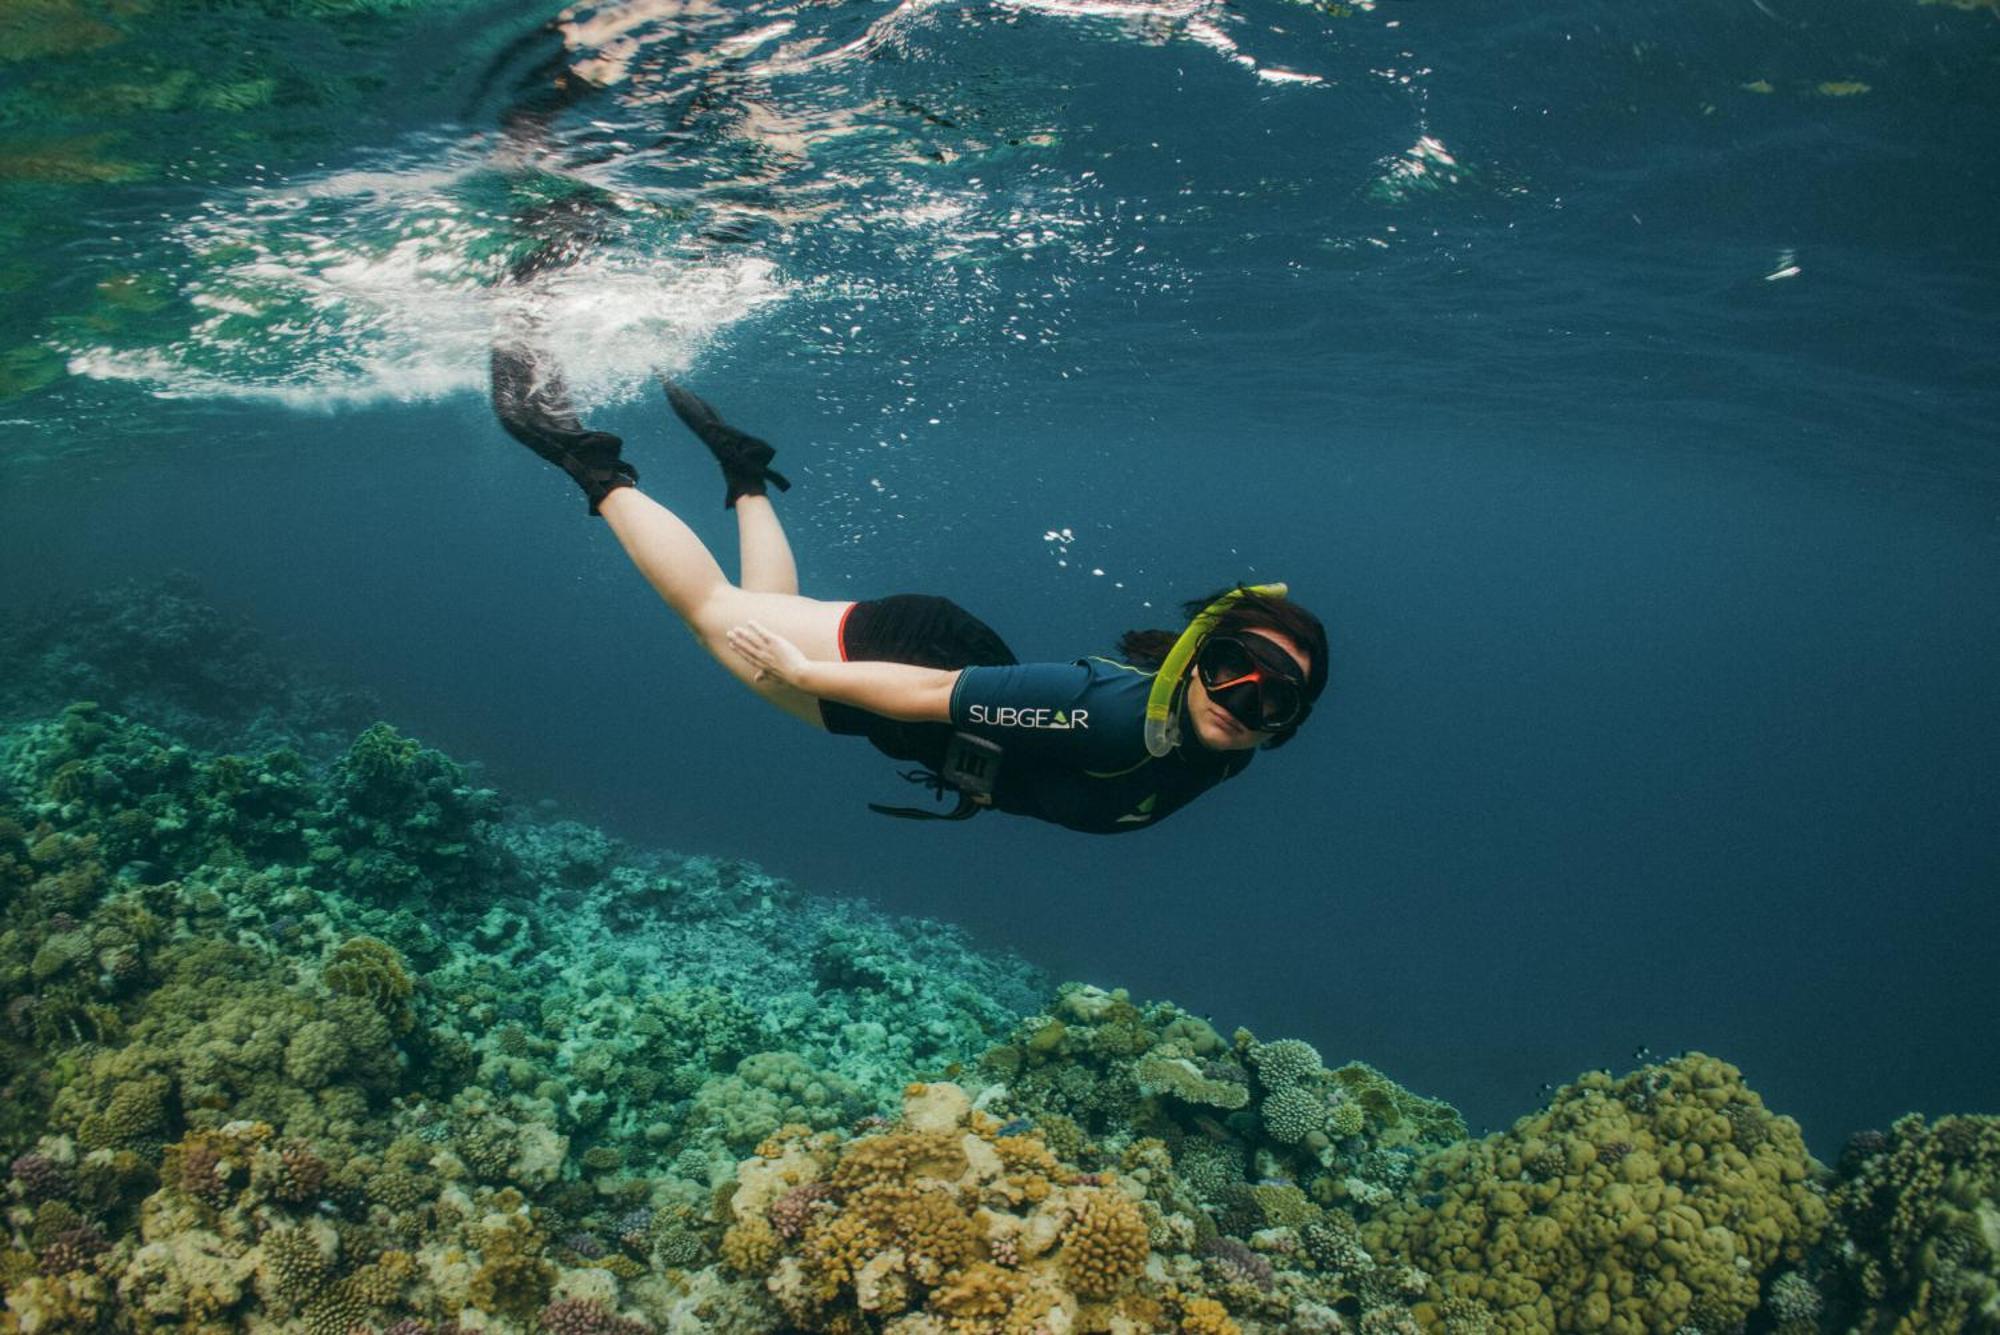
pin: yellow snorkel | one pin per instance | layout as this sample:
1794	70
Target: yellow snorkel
1163	705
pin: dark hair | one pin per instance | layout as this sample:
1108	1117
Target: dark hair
1252	611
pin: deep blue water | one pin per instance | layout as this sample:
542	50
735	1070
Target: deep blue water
1638	451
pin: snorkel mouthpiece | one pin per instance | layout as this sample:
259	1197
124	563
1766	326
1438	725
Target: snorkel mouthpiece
1163	705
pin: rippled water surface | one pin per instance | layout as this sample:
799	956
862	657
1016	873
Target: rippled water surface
1618	379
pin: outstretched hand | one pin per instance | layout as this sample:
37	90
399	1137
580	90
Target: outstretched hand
774	656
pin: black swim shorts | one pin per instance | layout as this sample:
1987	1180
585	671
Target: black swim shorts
917	628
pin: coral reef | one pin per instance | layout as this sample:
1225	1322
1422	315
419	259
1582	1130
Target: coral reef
252	1084
1916	1238
156	650
327	1038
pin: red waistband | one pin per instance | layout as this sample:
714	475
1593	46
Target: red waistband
840	634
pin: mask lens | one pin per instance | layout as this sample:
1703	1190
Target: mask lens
1224	660
1257	683
1278	702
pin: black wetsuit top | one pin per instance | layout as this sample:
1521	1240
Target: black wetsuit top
1073	745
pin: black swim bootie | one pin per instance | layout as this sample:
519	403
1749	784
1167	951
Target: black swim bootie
592	459
535	411
745	460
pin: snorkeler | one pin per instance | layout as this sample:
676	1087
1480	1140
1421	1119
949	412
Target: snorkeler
1095	745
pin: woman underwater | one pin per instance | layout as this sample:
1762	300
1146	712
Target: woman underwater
1094	745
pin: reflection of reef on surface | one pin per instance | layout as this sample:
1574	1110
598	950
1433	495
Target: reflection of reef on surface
332	1041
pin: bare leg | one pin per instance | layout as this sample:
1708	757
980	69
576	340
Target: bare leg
684	574
767	561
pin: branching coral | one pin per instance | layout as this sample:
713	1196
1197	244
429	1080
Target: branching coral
1294	1112
1105	1246
1283	1063
942	1218
1917	1226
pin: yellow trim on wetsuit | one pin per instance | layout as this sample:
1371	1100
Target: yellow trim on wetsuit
1143	760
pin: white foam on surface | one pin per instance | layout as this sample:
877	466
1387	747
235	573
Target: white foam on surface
382	285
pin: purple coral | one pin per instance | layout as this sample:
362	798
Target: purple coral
72	1249
1237	1262
634	1228
792	1211
41	1178
301	1174
585	1316
585	1244
205	1175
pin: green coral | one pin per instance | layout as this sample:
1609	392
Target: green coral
1396	1116
1284	1063
1650	1215
371	969
405	818
1917	1227
1181	1078
1293	1113
135	1115
770	1090
1347	1119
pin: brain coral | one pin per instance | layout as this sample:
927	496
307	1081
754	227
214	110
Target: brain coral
1647	1203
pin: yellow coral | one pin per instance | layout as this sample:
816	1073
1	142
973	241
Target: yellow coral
381	1283
936	1234
897	1157
1026	1153
1205	1316
985	1299
980	1290
1644	1203
1105	1246
750	1246
775	1145
834	1248
917	1224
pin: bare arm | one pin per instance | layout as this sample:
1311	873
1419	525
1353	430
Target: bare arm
895	690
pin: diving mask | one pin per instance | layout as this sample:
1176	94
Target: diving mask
1255	680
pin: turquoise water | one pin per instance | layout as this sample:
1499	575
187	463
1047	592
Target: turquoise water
1616	381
